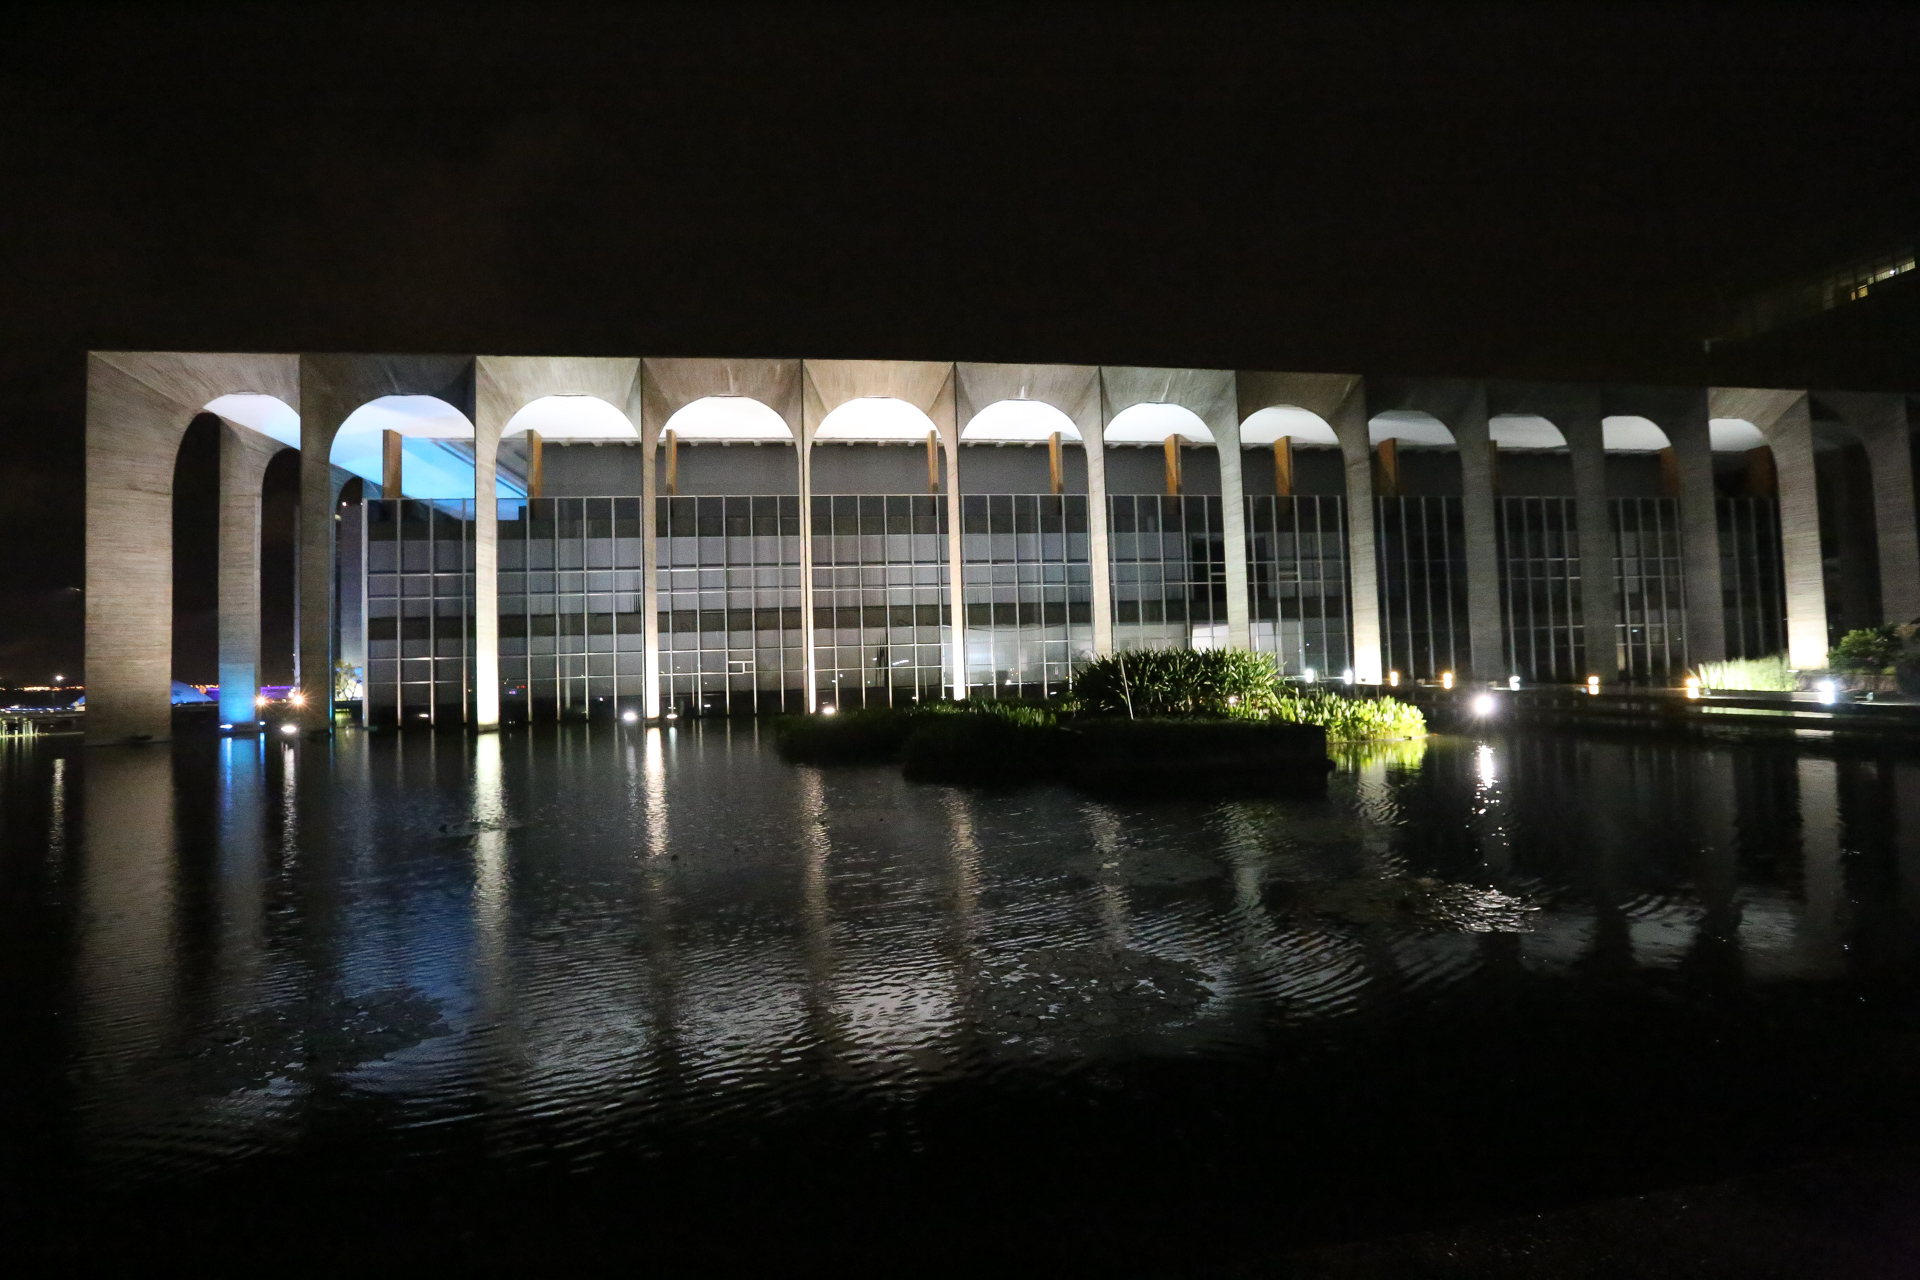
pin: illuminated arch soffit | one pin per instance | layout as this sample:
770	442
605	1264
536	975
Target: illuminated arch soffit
1409	426
1018	422
1625	433
1302	426
726	418
1524	431
269	415
564	418
875	420
1734	435
436	449
1153	423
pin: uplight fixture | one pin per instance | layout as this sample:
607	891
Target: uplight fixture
289	728
1483	705
1446	679
1513	683
1694	688
1393	679
1593	685
828	710
1346	677
1827	692
1306	675
629	716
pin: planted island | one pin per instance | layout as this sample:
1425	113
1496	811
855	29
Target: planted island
1152	721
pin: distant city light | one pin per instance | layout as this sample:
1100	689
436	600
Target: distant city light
1483	705
59	679
297	698
260	701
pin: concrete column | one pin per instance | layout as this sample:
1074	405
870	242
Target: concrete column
804	450
1599	594
133	436
1700	534
1881	423
650	573
1480	514
486	568
1099	557
1349	422
1791	437
314	594
956	582
1233	527
244	456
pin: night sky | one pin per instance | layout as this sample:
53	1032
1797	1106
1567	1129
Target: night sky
1457	190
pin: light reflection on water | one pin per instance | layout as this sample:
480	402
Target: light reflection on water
558	937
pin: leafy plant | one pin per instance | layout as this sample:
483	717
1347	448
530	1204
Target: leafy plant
1161	682
1867	649
1353	719
1748	673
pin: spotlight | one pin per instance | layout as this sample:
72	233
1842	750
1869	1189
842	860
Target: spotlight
629	716
1346	677
1306	675
260	701
1694	687
297	698
828	710
289	728
1393	679
1593	684
226	726
1483	705
1446	679
1826	691
1513	683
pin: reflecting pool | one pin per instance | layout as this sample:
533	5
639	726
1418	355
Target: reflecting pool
653	994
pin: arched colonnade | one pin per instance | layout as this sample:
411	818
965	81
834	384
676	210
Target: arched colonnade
139	405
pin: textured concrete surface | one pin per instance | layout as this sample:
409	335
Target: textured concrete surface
138	406
1785	419
1683	415
1880	420
244	455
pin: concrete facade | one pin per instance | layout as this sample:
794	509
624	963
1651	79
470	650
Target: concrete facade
139	405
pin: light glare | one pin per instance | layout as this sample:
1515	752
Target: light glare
1483	705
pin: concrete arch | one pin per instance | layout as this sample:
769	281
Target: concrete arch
875	420
1018	422
1734	435
729	418
1880	422
139	404
595	394
1785	420
1410	426
1154	423
422	421
1524	431
1632	433
1287	422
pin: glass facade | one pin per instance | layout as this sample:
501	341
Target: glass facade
1169	572
418	589
1423	585
879	598
1751	579
1297	582
1649	575
1027	591
730	627
1540	589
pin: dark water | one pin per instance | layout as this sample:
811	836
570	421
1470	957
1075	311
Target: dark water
617	994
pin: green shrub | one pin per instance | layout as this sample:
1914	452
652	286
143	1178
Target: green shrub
1352	719
849	737
1748	673
1872	649
1164	682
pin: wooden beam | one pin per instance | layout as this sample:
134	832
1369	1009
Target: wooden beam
672	439
390	462
933	462
536	464
1054	470
1388	485
1283	466
1173	465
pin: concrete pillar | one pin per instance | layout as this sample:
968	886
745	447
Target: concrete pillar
804	450
315	559
1881	423
1233	527
1480	513
650	570
1599	593
1790	435
1349	422
486	567
244	455
133	436
1099	557
956	582
1700	532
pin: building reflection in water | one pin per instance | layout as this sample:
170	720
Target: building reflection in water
569	929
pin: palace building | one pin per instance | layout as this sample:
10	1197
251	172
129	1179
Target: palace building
489	539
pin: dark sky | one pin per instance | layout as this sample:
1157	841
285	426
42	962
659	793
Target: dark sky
1538	190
